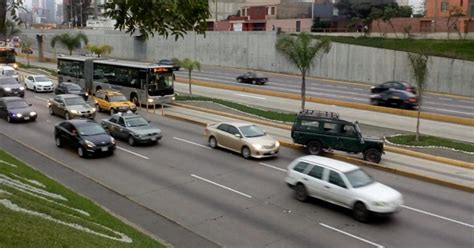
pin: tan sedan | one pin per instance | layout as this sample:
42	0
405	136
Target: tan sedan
244	138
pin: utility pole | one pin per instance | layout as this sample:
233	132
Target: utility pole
80	3
70	17
215	24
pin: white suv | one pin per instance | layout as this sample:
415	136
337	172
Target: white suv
342	184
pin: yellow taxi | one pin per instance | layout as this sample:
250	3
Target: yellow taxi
113	102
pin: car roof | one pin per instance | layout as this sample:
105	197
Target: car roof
237	123
329	163
7	67
69	95
81	122
38	75
11	98
111	92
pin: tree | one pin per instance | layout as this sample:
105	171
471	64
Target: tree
8	6
174	17
376	15
26	44
69	41
362	8
388	14
99	49
301	51
10	30
405	11
419	71
454	13
190	65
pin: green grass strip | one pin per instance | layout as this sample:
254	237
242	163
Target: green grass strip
50	71
426	141
267	114
457	49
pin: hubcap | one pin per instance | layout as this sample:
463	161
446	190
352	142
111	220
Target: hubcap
246	153
212	142
58	141
131	141
80	151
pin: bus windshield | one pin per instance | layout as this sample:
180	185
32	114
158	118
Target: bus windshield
159	83
7	55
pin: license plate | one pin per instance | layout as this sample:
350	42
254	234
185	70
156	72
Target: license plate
272	152
27	118
104	149
153	139
86	115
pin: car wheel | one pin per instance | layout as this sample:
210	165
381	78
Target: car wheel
131	140
34	89
135	100
80	152
97	106
246	152
372	155
50	110
314	148
58	141
360	212
67	116
9	119
300	192
212	142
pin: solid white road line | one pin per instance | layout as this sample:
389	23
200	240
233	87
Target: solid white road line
351	235
438	216
134	153
222	186
192	143
41	98
447	110
257	97
273	167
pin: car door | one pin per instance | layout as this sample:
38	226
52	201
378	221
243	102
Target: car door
235	143
329	139
315	186
223	135
65	133
336	189
3	110
58	106
120	130
29	82
348	139
110	125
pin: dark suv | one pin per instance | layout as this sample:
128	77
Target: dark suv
317	130
9	86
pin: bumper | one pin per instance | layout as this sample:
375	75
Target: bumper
23	118
14	93
44	89
148	139
124	109
88	116
100	150
385	210
265	153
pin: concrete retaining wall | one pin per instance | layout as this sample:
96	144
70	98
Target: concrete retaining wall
256	50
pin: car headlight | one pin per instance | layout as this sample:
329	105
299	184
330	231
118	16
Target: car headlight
93	110
22	88
86	94
257	146
33	113
112	140
74	111
19	115
150	100
89	143
8	89
277	143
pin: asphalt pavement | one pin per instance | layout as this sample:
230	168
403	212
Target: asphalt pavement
245	203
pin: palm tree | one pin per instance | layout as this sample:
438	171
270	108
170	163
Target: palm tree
26	44
69	41
10	30
419	70
190	65
301	51
100	49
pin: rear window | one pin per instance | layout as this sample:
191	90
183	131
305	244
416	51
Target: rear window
316	172
300	167
8	80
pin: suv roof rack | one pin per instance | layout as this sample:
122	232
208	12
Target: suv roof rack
321	114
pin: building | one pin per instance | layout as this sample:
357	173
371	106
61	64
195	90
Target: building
49	11
76	12
440	8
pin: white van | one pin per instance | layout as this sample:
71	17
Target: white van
8	71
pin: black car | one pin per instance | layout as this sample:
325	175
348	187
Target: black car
70	88
175	66
9	86
397	98
397	85
253	78
16	109
86	136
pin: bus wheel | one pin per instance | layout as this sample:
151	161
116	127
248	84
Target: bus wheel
134	99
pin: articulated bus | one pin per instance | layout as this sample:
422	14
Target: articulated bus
141	82
7	56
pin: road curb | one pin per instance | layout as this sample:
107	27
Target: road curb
361	106
406	173
398	150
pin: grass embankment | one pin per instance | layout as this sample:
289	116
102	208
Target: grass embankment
267	114
47	210
425	140
50	71
458	49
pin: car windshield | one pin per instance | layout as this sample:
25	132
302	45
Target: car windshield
252	131
16	104
8	80
9	72
74	101
136	122
358	178
74	87
42	79
117	98
90	129
165	61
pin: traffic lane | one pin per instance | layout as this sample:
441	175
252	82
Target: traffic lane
121	171
432	106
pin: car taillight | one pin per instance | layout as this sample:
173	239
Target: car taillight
412	100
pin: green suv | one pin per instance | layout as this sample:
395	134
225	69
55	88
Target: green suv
317	130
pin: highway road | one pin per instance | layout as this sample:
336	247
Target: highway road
245	203
351	92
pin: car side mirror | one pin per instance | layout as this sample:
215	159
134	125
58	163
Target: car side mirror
238	135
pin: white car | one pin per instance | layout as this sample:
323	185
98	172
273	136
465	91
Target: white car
8	71
39	83
342	184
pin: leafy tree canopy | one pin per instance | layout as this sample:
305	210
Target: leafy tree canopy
362	8
164	17
9	6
